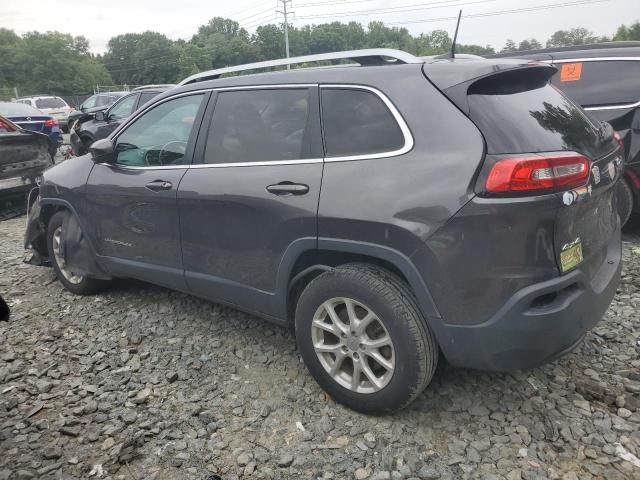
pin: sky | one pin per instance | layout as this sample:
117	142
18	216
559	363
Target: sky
99	20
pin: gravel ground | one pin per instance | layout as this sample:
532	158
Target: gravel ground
145	383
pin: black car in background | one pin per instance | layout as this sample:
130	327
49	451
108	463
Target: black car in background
104	122
605	80
95	103
24	155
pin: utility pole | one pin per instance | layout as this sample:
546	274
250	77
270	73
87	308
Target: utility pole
285	13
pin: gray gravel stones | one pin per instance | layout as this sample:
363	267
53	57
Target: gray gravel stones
141	382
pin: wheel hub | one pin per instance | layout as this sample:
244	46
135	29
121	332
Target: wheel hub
353	345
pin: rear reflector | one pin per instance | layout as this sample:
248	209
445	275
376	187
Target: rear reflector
52	122
538	174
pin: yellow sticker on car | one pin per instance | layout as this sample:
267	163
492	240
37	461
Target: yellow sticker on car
571	256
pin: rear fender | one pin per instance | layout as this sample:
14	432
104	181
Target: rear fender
391	256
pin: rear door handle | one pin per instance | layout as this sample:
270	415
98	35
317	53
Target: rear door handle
288	188
158	185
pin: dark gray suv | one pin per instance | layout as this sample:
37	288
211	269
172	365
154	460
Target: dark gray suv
388	213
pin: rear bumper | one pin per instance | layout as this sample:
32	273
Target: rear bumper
540	322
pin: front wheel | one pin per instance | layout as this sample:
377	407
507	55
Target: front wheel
72	281
364	340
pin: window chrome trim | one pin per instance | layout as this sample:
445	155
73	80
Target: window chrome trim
159	167
592	59
623	106
404	128
266	163
265	87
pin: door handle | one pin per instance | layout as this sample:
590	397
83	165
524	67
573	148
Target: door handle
158	185
288	188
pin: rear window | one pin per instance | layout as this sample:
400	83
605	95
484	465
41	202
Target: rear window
51	102
18	110
357	122
523	114
610	82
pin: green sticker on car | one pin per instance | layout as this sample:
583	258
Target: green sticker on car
571	256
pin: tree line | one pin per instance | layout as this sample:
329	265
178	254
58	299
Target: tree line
58	63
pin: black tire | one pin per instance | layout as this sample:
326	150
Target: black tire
87	286
624	200
415	348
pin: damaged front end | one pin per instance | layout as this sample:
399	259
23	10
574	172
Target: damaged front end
35	239
74	247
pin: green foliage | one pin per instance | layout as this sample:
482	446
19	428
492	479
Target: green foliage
624	33
138	58
51	62
58	63
574	36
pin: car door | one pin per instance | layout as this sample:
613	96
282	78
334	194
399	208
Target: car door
132	201
251	194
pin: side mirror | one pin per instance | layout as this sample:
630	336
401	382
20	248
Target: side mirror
101	116
102	151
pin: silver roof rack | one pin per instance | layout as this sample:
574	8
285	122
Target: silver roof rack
159	85
373	56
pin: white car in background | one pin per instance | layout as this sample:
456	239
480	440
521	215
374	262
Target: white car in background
51	105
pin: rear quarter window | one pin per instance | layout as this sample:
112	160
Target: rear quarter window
358	122
598	83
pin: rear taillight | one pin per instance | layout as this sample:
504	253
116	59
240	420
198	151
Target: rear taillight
52	122
5	126
537	174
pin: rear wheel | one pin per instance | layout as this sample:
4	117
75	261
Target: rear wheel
625	201
364	340
78	284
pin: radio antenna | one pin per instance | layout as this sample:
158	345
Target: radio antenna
455	36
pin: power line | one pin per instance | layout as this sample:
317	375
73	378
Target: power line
503	12
330	2
241	20
398	9
260	21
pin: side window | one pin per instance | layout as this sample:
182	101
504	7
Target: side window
259	125
89	102
124	108
145	97
609	82
160	136
357	122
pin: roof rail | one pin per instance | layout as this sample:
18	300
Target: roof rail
373	56
159	85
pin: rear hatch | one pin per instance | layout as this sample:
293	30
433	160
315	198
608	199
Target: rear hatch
540	145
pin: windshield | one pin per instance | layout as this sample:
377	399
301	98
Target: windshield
50	102
18	109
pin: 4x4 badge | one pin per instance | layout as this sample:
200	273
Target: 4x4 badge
596	174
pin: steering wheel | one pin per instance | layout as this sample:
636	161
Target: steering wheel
181	147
